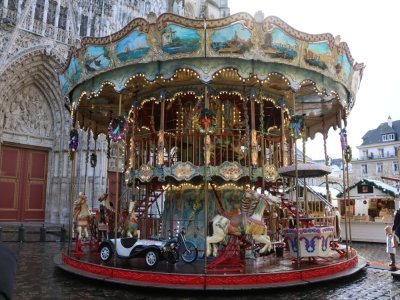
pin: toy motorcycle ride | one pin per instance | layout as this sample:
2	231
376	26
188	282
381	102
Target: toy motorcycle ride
186	249
151	250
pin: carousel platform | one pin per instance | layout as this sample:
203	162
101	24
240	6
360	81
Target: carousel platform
260	273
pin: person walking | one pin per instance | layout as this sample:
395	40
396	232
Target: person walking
396	224
8	269
390	246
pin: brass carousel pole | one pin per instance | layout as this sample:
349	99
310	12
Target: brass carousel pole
328	193
161	147
297	187
72	153
133	159
206	162
94	164
304	179
253	141
262	142
344	188
86	160
117	190
348	194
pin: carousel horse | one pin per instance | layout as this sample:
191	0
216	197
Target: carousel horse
93	224
123	223
104	206
81	216
133	228
253	205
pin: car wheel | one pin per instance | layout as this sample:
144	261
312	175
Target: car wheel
151	258
105	252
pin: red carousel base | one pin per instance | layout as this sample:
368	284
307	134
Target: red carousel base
192	276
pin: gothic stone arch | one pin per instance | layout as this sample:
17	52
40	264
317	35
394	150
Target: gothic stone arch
33	116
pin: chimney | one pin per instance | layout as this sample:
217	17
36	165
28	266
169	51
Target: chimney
389	121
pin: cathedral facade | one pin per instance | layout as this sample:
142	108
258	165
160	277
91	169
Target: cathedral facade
35	39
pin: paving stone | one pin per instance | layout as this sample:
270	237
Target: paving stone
38	278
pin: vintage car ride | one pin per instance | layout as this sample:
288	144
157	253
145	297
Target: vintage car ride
153	251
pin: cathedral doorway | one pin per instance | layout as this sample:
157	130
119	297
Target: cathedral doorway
23	181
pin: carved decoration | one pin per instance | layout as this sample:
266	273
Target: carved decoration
231	171
146	173
270	172
184	171
28	113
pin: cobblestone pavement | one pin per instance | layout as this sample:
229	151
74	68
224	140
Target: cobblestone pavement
39	278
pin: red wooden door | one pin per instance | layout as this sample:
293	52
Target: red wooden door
23	174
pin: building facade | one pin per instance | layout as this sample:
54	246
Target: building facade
378	152
35	39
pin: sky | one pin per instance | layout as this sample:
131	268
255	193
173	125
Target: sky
370	28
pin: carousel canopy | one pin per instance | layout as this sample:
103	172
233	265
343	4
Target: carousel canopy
306	74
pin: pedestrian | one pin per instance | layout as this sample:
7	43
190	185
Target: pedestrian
396	225
8	269
390	245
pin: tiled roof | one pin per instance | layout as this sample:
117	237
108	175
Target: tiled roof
374	136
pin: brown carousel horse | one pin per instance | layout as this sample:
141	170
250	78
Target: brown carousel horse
81	216
105	208
129	224
251	219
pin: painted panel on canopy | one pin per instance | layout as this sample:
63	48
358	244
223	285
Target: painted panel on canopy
232	39
70	76
318	55
279	44
177	39
96	58
343	67
134	46
74	71
64	84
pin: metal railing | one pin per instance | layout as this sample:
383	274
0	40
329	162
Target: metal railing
189	146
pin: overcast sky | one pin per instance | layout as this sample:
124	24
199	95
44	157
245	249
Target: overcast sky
371	29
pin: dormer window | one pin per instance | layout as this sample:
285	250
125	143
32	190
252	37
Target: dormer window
388	137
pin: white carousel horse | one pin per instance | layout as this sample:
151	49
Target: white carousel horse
81	216
253	225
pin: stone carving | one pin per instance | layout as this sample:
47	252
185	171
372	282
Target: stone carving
28	113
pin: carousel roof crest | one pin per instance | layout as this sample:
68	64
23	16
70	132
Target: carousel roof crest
148	47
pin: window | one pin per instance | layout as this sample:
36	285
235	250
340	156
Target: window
379	168
39	10
395	167
365	189
51	13
364	170
388	137
381	153
62	21
92	26
365	154
83	29
12	5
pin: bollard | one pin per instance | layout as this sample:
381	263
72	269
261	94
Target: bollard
43	233
62	234
21	233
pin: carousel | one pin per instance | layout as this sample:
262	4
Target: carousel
206	117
